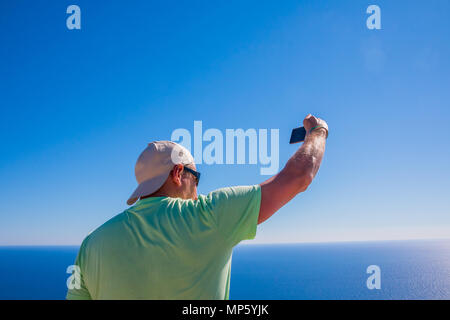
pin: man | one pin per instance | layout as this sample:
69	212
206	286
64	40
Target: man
173	244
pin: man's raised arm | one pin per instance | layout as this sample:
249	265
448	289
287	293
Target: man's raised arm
299	171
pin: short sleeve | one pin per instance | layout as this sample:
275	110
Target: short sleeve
236	212
76	285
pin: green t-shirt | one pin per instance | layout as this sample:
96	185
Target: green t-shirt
168	248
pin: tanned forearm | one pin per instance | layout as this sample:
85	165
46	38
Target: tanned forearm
299	171
306	161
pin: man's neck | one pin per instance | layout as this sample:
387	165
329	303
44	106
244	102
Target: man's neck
156	194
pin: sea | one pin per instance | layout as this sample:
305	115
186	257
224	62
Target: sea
416	269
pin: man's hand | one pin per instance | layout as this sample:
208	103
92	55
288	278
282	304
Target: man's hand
299	171
311	122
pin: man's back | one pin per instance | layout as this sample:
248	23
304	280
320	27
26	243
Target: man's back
168	248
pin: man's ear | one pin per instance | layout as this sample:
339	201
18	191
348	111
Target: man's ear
177	171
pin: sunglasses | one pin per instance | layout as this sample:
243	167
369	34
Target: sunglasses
196	174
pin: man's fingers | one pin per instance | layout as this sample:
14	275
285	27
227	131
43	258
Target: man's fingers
309	122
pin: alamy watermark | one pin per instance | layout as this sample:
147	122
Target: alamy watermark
234	146
374	280
74	281
374	20
73	22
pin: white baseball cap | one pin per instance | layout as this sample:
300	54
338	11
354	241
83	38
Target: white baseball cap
154	165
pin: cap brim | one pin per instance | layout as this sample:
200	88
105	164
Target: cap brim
148	187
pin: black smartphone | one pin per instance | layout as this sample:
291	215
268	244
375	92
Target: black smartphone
298	135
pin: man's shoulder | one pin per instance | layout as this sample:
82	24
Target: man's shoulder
106	228
233	190
228	194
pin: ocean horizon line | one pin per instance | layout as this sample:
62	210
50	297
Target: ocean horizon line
249	243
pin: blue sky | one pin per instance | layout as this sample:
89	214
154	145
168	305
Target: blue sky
78	106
